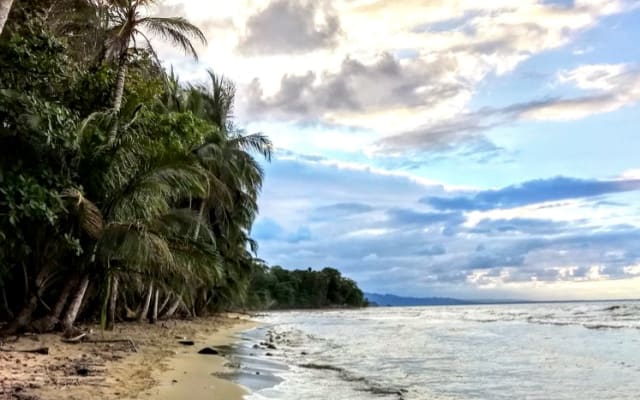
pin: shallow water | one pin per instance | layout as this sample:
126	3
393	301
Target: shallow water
534	351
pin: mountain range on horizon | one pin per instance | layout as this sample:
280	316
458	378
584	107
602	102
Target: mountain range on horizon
392	300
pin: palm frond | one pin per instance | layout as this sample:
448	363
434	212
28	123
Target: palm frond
89	215
256	142
177	30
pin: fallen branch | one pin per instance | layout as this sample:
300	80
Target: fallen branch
76	339
39	350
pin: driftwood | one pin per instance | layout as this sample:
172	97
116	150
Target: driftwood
75	339
39	350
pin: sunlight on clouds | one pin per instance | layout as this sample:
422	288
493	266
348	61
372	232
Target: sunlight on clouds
368	232
594	284
598	76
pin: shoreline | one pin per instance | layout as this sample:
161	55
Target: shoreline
110	367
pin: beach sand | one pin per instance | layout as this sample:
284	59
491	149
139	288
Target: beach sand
160	369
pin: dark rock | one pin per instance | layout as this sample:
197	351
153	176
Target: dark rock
186	342
209	351
268	354
304	353
271	346
255	346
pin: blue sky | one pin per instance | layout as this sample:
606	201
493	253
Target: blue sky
482	150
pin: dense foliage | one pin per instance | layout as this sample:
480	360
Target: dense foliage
278	288
125	194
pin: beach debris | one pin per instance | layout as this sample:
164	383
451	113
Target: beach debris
187	342
209	351
39	350
76	339
82	370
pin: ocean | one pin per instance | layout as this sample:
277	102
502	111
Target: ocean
491	352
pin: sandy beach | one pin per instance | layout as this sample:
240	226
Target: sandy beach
157	366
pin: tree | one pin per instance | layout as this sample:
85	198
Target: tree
5	8
108	215
126	24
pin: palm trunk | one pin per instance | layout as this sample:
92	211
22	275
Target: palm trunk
173	308
5	8
25	316
48	323
119	92
113	298
74	308
5	305
120	79
154	314
164	304
147	303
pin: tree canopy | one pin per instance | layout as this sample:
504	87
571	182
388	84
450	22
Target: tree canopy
125	198
278	288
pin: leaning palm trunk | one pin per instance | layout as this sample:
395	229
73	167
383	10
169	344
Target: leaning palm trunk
74	308
154	314
118	94
48	323
5	8
164	304
120	80
113	298
5	304
147	303
173	307
25	316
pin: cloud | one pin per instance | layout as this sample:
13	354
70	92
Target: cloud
408	217
521	226
358	87
340	210
532	192
290	26
607	87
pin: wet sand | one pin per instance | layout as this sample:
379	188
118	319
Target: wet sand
112	370
189	375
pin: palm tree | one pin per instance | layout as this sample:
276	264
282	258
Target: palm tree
5	8
227	155
127	24
129	209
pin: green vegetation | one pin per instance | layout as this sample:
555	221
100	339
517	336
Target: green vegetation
277	288
125	194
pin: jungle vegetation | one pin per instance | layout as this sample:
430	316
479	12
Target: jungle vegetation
278	288
124	193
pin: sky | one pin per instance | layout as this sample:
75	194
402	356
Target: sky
464	148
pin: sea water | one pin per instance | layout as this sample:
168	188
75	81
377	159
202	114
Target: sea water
558	351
